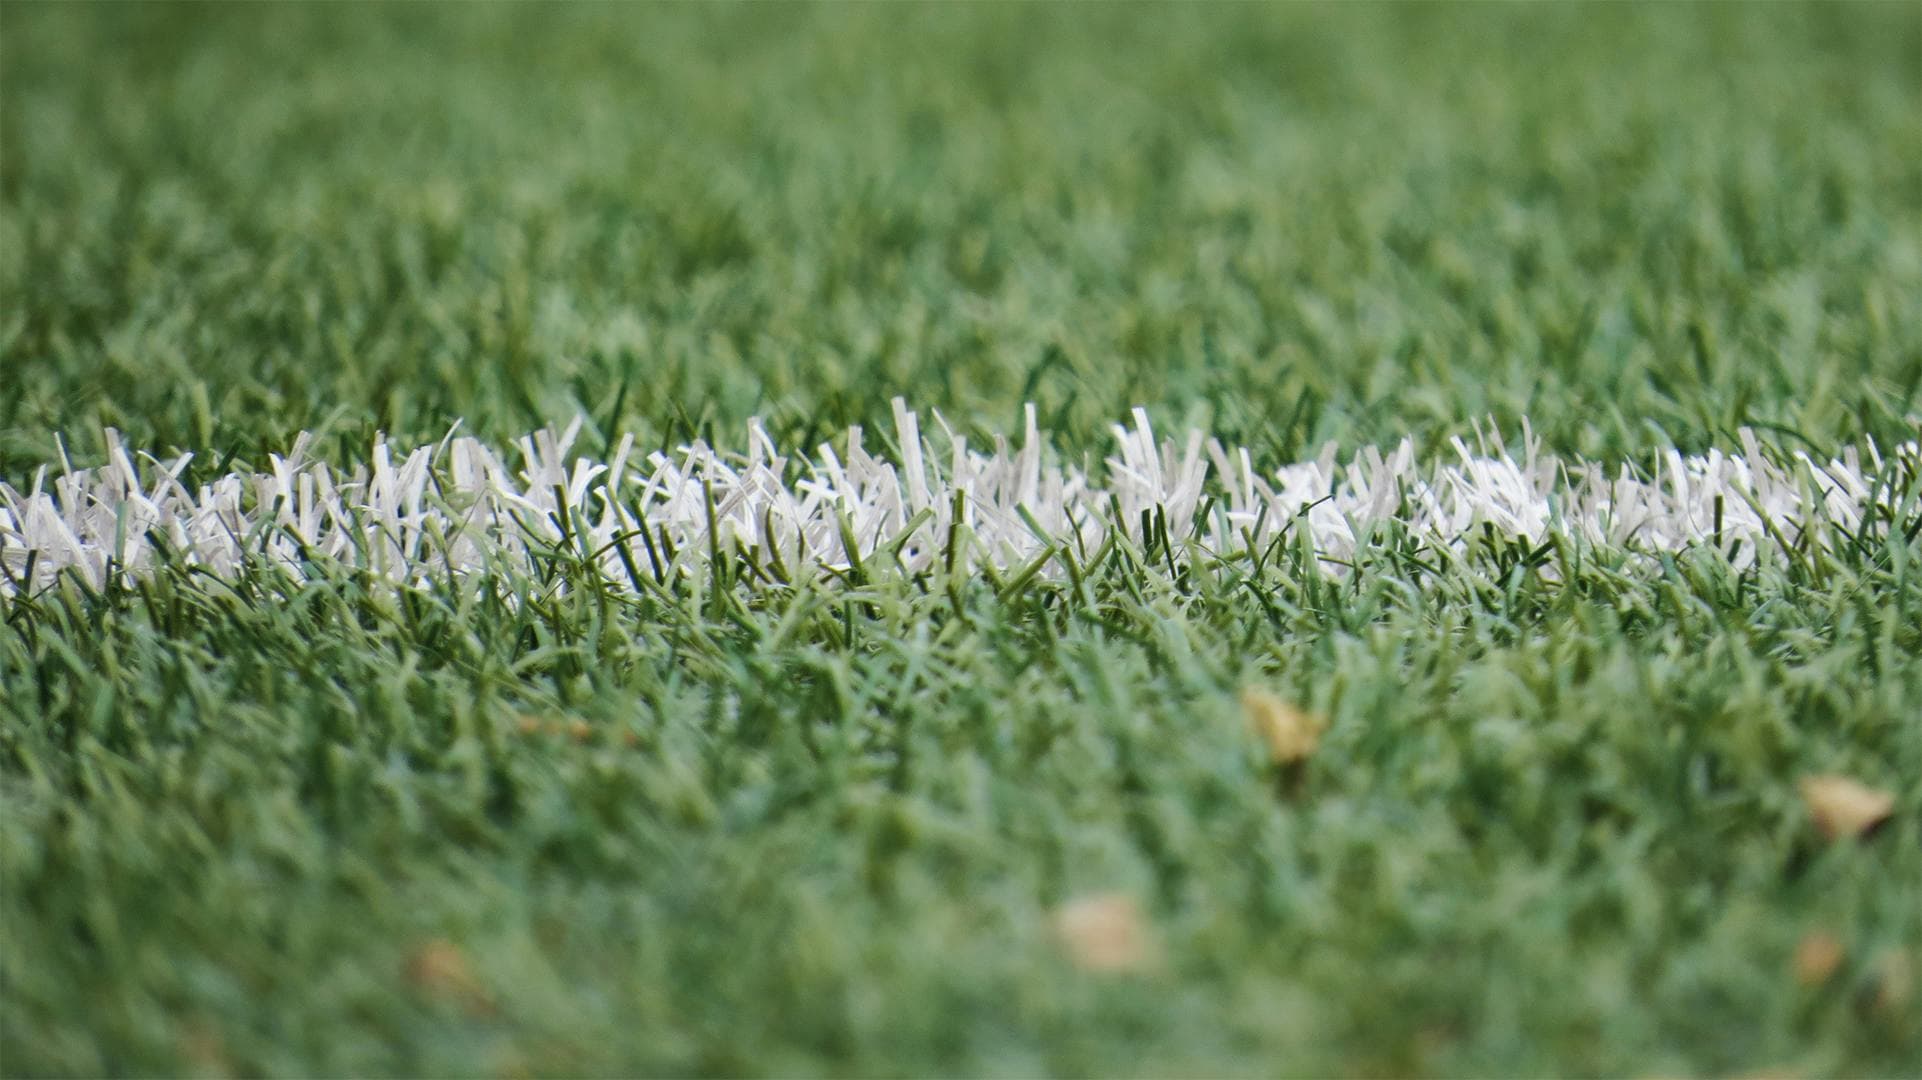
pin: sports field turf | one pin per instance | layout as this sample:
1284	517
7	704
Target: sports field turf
1359	789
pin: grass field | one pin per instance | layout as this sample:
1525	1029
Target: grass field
545	818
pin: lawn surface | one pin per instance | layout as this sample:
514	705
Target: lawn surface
296	821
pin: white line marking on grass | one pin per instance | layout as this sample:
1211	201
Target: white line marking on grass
462	506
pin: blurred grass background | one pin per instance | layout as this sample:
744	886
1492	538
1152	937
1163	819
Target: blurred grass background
1638	225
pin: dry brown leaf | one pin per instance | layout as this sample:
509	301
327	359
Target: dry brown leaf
1843	806
1817	958
1290	733
439	969
1106	933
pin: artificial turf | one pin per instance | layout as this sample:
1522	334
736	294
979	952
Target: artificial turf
299	821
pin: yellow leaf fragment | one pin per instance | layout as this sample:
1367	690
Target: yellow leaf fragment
1290	733
439	969
1844	807
1817	958
1105	933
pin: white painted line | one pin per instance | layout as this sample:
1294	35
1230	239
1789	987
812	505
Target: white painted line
462	506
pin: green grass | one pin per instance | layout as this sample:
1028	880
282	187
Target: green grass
725	827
